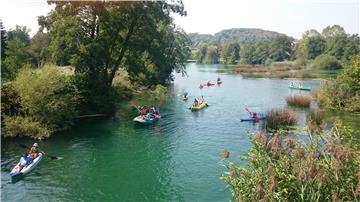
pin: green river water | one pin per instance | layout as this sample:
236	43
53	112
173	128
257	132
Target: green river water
177	159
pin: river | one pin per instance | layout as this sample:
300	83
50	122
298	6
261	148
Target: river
177	159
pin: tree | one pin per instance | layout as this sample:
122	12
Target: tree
202	53
332	31
99	37
326	62
212	55
38	47
229	53
3	41
280	48
261	53
16	57
16	52
336	40
21	33
311	45
247	54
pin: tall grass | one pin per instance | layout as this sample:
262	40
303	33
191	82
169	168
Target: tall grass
315	121
298	101
279	168
280	118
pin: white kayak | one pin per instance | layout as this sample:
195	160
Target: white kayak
143	120
28	168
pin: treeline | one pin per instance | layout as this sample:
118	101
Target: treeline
94	40
330	49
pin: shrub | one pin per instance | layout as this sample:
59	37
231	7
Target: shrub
283	169
315	121
25	126
48	102
343	92
280	118
326	62
298	101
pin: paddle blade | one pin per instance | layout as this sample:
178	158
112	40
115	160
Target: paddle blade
132	103
23	146
55	157
246	109
161	102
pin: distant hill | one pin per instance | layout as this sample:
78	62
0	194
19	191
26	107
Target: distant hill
239	35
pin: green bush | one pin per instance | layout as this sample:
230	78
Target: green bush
344	92
326	62
48	102
25	126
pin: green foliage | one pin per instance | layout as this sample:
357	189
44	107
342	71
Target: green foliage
212	55
229	53
312	44
326	62
21	33
25	126
236	35
3	40
344	92
280	48
280	168
17	57
247	54
37	48
48	100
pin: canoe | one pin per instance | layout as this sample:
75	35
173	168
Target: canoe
200	106
27	169
300	88
248	118
142	120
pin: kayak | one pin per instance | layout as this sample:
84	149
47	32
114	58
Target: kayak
300	88
141	119
184	98
200	106
219	82
248	118
28	168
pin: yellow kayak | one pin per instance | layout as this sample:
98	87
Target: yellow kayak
184	98
198	107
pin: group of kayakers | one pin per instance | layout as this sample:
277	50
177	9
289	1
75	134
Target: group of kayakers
28	157
148	112
208	84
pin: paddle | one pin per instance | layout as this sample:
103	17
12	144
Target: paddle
132	104
52	157
256	117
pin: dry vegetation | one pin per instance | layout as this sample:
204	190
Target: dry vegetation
281	72
298	101
280	118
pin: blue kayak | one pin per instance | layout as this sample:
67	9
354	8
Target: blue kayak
248	118
28	168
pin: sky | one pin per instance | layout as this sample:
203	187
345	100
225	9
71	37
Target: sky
291	17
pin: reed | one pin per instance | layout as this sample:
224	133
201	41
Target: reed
280	118
298	101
